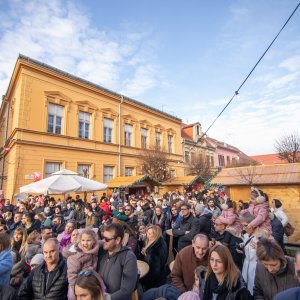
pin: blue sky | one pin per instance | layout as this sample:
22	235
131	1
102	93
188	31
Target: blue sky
184	57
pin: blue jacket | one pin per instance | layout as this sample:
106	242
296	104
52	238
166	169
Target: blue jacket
6	264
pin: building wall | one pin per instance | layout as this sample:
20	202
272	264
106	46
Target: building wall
289	195
33	88
226	153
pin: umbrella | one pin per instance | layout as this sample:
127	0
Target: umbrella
61	182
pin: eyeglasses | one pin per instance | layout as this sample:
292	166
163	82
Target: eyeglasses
86	273
127	209
108	239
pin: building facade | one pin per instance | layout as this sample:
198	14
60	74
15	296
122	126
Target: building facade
52	120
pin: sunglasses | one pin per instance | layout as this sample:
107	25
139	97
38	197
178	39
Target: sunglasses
86	273
108	239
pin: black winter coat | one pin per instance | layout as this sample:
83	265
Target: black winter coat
277	231
205	224
190	224
156	257
35	287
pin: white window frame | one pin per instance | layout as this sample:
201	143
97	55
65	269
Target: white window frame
158	140
144	138
108	126
108	173
170	143
84	119
129	171
128	134
56	112
52	167
81	168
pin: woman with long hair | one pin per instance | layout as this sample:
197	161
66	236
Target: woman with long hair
155	254
223	278
18	247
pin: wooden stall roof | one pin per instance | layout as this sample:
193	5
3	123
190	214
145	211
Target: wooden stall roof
183	180
130	181
262	174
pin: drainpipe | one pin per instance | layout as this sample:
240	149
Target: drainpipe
119	148
5	140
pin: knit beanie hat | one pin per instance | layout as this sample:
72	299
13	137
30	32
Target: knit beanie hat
199	208
37	259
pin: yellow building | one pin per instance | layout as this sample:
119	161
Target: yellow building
52	120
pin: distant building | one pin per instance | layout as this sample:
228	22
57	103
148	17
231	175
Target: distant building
216	153
268	159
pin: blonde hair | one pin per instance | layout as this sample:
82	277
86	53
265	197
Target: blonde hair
89	232
231	272
157	234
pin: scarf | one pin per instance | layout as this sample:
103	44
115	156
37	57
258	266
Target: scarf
65	239
212	287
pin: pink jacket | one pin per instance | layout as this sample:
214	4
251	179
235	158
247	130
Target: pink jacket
261	215
80	261
231	218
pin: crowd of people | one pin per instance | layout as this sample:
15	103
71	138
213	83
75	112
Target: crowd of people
197	245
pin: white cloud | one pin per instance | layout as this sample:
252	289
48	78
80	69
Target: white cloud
291	64
61	34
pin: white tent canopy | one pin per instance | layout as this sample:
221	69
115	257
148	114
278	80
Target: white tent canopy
63	181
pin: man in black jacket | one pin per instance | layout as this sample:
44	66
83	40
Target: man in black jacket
187	228
48	280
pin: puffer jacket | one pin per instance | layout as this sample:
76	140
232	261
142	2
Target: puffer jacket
261	216
231	219
119	272
35	287
81	260
284	279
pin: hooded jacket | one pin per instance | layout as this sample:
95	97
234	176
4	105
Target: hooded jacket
284	279
6	264
261	216
81	260
119	272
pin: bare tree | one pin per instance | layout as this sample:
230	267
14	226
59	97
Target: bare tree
288	147
243	162
247	175
199	166
155	163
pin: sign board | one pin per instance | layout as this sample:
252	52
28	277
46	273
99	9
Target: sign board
29	176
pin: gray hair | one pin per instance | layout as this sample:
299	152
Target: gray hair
247	217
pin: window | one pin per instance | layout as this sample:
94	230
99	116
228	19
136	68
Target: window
108	129
158	140
108	173
198	130
144	137
186	156
228	160
128	134
51	167
84	170
128	171
84	125
212	162
234	161
221	160
170	143
172	173
55	118
192	156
